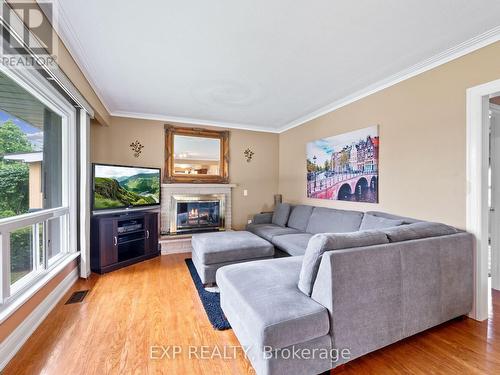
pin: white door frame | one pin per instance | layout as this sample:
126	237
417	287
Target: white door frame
477	210
494	225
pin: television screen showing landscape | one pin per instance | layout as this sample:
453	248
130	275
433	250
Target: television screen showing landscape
119	187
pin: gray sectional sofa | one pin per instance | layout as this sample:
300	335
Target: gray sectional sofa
355	283
303	222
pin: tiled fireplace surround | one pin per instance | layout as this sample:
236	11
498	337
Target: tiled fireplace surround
183	243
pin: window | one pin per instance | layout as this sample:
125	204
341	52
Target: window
37	180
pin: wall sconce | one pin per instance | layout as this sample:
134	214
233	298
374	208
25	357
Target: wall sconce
248	155
136	148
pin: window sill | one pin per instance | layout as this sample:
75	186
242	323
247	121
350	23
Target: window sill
8	308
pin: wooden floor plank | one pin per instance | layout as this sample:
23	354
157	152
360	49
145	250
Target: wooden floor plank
155	303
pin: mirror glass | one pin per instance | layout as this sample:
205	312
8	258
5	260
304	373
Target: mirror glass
196	155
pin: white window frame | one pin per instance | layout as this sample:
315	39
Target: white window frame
11	297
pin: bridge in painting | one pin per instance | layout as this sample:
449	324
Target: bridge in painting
341	186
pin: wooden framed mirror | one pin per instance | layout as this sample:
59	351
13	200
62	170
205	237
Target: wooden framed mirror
194	155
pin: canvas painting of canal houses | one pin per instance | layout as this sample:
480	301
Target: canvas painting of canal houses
344	167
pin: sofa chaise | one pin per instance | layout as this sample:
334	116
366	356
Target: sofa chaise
356	282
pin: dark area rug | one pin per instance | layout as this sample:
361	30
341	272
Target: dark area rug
210	301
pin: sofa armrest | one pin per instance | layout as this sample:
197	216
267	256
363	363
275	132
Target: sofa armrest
377	295
263	218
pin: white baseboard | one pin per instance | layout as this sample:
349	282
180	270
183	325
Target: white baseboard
11	345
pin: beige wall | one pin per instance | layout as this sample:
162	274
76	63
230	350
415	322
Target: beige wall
110	144
422	141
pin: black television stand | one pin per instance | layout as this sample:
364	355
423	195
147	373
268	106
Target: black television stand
119	240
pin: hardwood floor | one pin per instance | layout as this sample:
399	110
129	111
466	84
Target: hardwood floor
154	303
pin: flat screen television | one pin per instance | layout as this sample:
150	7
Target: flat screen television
116	187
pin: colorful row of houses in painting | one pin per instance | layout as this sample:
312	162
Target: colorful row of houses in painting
361	157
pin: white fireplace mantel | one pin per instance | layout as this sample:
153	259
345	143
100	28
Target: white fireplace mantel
168	190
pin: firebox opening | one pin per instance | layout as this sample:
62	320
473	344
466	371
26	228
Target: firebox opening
198	216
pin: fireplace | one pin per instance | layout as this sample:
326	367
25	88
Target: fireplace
197	213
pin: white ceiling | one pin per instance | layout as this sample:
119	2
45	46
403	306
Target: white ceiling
264	65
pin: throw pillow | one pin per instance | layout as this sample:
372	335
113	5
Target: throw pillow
377	222
418	230
320	243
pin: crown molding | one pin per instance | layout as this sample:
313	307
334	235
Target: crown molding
17	28
73	44
471	45
75	48
192	121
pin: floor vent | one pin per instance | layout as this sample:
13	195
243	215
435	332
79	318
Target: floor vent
77	297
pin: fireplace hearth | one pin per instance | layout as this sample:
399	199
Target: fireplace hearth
196	213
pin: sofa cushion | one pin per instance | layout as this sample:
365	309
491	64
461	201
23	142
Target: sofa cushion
263	218
418	230
263	297
320	243
280	214
378	222
299	217
293	244
220	247
329	220
268	231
